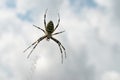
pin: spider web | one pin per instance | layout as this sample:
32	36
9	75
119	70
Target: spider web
33	64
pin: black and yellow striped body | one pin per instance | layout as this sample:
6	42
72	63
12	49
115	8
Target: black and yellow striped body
50	27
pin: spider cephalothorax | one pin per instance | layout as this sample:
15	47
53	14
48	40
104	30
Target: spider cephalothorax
49	29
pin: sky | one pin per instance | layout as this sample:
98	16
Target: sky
91	40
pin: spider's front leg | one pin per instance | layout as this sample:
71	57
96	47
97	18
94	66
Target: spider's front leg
61	47
35	44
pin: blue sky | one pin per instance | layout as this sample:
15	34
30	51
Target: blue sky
83	3
91	39
10	3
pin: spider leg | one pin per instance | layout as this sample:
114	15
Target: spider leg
32	50
58	32
61	53
58	22
60	47
45	18
36	43
64	50
39	28
30	46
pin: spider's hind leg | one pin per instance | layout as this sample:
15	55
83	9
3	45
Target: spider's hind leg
45	18
58	22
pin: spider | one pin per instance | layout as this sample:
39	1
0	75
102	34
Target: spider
49	32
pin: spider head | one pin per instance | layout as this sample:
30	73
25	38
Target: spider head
50	27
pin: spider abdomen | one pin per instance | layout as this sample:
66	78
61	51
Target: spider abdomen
50	27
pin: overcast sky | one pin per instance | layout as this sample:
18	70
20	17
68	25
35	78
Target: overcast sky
91	39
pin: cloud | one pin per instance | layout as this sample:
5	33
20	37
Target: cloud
111	76
91	40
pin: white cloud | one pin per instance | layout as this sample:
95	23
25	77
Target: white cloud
106	3
111	76
91	42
